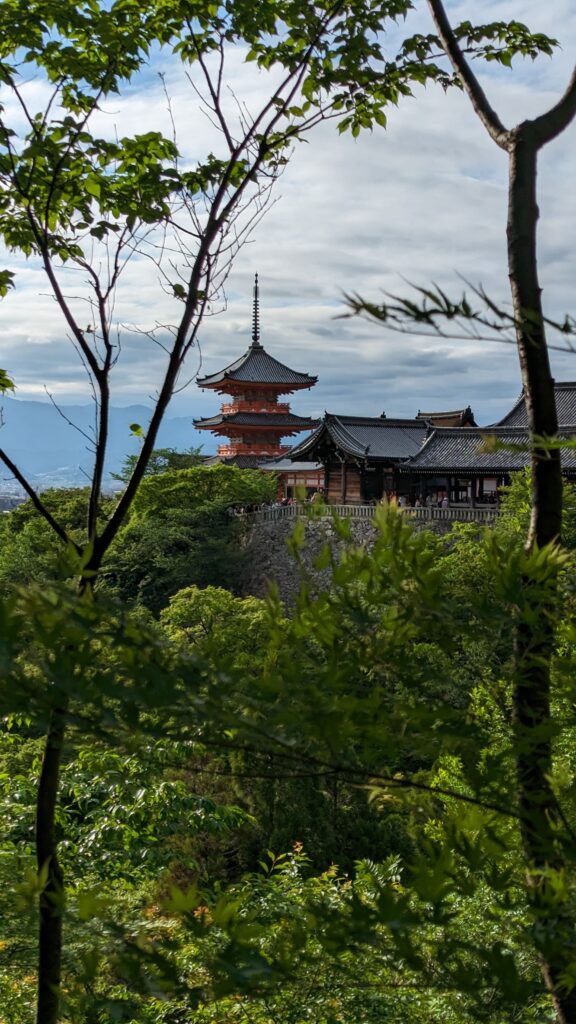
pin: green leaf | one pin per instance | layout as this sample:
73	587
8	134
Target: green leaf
6	282
92	186
6	384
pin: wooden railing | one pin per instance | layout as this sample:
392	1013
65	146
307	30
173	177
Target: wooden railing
254	405
457	513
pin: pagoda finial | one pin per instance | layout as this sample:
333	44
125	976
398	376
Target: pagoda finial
256	314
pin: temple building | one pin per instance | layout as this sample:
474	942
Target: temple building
436	457
456	418
254	422
361	455
433	457
470	466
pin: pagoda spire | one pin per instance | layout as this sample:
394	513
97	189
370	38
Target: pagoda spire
255	422
256	316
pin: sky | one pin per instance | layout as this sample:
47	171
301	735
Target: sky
423	201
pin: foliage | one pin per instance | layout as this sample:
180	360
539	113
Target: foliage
161	460
394	684
6	384
352	696
191	488
157	555
517	506
214	622
181	533
29	549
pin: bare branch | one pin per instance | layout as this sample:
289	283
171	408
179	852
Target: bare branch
214	90
37	502
554	121
67	419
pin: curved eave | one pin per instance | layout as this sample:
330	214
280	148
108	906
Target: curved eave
465	443
234	430
337	432
309	443
511	417
231	385
258	421
257	368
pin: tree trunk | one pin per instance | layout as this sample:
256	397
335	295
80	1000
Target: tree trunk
52	895
534	363
535	631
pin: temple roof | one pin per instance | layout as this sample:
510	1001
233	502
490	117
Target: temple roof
453	418
257	367
455	450
278	420
366	437
284	464
565	393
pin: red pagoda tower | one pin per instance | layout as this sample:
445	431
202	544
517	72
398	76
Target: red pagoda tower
255	421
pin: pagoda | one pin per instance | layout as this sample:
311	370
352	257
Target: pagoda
255	422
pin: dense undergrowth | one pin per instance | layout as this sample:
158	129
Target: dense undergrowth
276	818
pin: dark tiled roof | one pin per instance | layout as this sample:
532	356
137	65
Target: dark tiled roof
257	367
459	450
452	418
258	419
285	465
367	437
565	393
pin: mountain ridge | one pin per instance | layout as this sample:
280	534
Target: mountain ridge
51	445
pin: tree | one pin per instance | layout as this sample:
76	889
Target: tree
161	460
75	200
200	485
182	531
397	679
535	633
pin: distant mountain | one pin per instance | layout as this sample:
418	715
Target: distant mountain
52	452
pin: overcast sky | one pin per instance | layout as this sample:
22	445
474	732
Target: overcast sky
424	200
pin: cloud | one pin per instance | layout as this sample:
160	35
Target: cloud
424	201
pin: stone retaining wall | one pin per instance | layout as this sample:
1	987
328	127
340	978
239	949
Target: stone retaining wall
269	560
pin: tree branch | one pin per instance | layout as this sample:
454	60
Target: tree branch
554	121
470	83
37	502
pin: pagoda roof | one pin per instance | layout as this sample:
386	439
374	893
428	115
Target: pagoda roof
257	367
279	420
452	418
366	437
464	450
565	395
